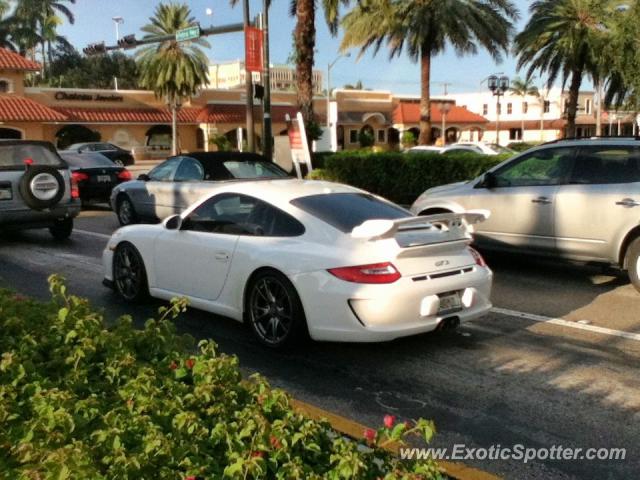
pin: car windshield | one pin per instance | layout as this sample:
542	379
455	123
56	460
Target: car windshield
18	155
253	169
87	160
345	211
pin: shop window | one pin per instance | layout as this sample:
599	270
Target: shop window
200	139
5	86
485	109
525	107
547	106
515	134
509	108
353	136
381	136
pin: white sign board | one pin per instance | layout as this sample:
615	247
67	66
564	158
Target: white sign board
298	143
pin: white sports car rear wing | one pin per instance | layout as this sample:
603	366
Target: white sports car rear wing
425	230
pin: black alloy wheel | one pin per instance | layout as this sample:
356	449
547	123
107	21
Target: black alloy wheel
129	275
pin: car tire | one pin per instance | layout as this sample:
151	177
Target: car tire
126	212
632	261
61	230
129	273
271	294
40	176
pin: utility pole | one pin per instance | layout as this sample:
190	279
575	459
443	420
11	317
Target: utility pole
267	147
599	109
117	21
248	87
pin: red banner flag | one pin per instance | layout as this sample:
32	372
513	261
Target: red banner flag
253	49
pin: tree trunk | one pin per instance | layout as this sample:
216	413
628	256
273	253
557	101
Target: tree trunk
425	97
522	126
44	59
572	104
305	40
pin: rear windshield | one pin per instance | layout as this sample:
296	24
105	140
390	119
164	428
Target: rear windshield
251	169
345	211
87	160
19	155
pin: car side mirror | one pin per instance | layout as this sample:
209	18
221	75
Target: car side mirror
489	181
144	177
174	222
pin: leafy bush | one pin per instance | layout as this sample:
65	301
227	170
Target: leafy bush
365	138
402	177
80	401
522	146
408	139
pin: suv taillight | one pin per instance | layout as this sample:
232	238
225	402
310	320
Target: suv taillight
125	175
372	273
75	191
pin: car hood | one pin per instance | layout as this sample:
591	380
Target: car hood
451	187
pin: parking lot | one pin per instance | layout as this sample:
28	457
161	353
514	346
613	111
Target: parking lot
554	364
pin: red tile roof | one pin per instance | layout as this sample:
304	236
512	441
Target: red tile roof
14	61
409	112
235	113
127	115
14	108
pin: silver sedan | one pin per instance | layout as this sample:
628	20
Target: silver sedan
179	181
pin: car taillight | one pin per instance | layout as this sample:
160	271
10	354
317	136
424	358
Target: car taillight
75	191
125	175
79	176
372	273
477	257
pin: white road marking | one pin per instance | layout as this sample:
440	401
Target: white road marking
92	234
567	323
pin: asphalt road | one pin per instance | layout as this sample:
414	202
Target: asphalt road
556	364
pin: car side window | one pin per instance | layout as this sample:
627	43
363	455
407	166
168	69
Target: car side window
551	166
165	171
236	214
606	165
189	169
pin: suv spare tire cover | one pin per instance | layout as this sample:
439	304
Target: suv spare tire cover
41	186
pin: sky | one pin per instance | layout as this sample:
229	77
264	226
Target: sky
94	23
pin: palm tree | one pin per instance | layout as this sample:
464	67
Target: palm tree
173	70
425	28
563	39
524	88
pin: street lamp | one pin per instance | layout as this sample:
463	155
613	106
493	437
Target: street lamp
329	67
117	21
498	86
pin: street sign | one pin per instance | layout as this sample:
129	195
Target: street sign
188	33
298	143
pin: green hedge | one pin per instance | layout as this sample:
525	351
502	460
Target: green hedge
402	177
522	146
80	401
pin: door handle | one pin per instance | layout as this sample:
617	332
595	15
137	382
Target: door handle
541	200
628	202
222	256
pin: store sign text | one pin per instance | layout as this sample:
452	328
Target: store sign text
88	97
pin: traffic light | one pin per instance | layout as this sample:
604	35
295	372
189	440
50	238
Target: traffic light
258	91
95	49
128	41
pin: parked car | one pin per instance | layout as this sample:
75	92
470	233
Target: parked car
577	199
181	180
294	256
425	149
95	175
36	188
479	147
117	155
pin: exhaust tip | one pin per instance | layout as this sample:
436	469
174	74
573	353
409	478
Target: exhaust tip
448	324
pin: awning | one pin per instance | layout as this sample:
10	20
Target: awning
235	113
14	108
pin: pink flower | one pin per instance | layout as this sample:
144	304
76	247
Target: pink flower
389	420
369	434
275	443
189	363
257	454
190	477
173	366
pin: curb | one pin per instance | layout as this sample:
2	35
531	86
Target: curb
353	429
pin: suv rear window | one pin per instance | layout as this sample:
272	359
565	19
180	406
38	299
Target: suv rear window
345	211
87	160
18	155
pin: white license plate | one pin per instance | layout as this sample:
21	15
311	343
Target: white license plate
450	302
5	194
103	178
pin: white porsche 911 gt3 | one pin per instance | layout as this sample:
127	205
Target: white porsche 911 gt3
294	257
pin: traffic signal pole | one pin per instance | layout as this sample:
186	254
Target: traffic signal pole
267	146
248	87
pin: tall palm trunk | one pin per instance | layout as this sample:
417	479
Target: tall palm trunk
174	128
44	59
522	125
305	40
425	97
572	104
